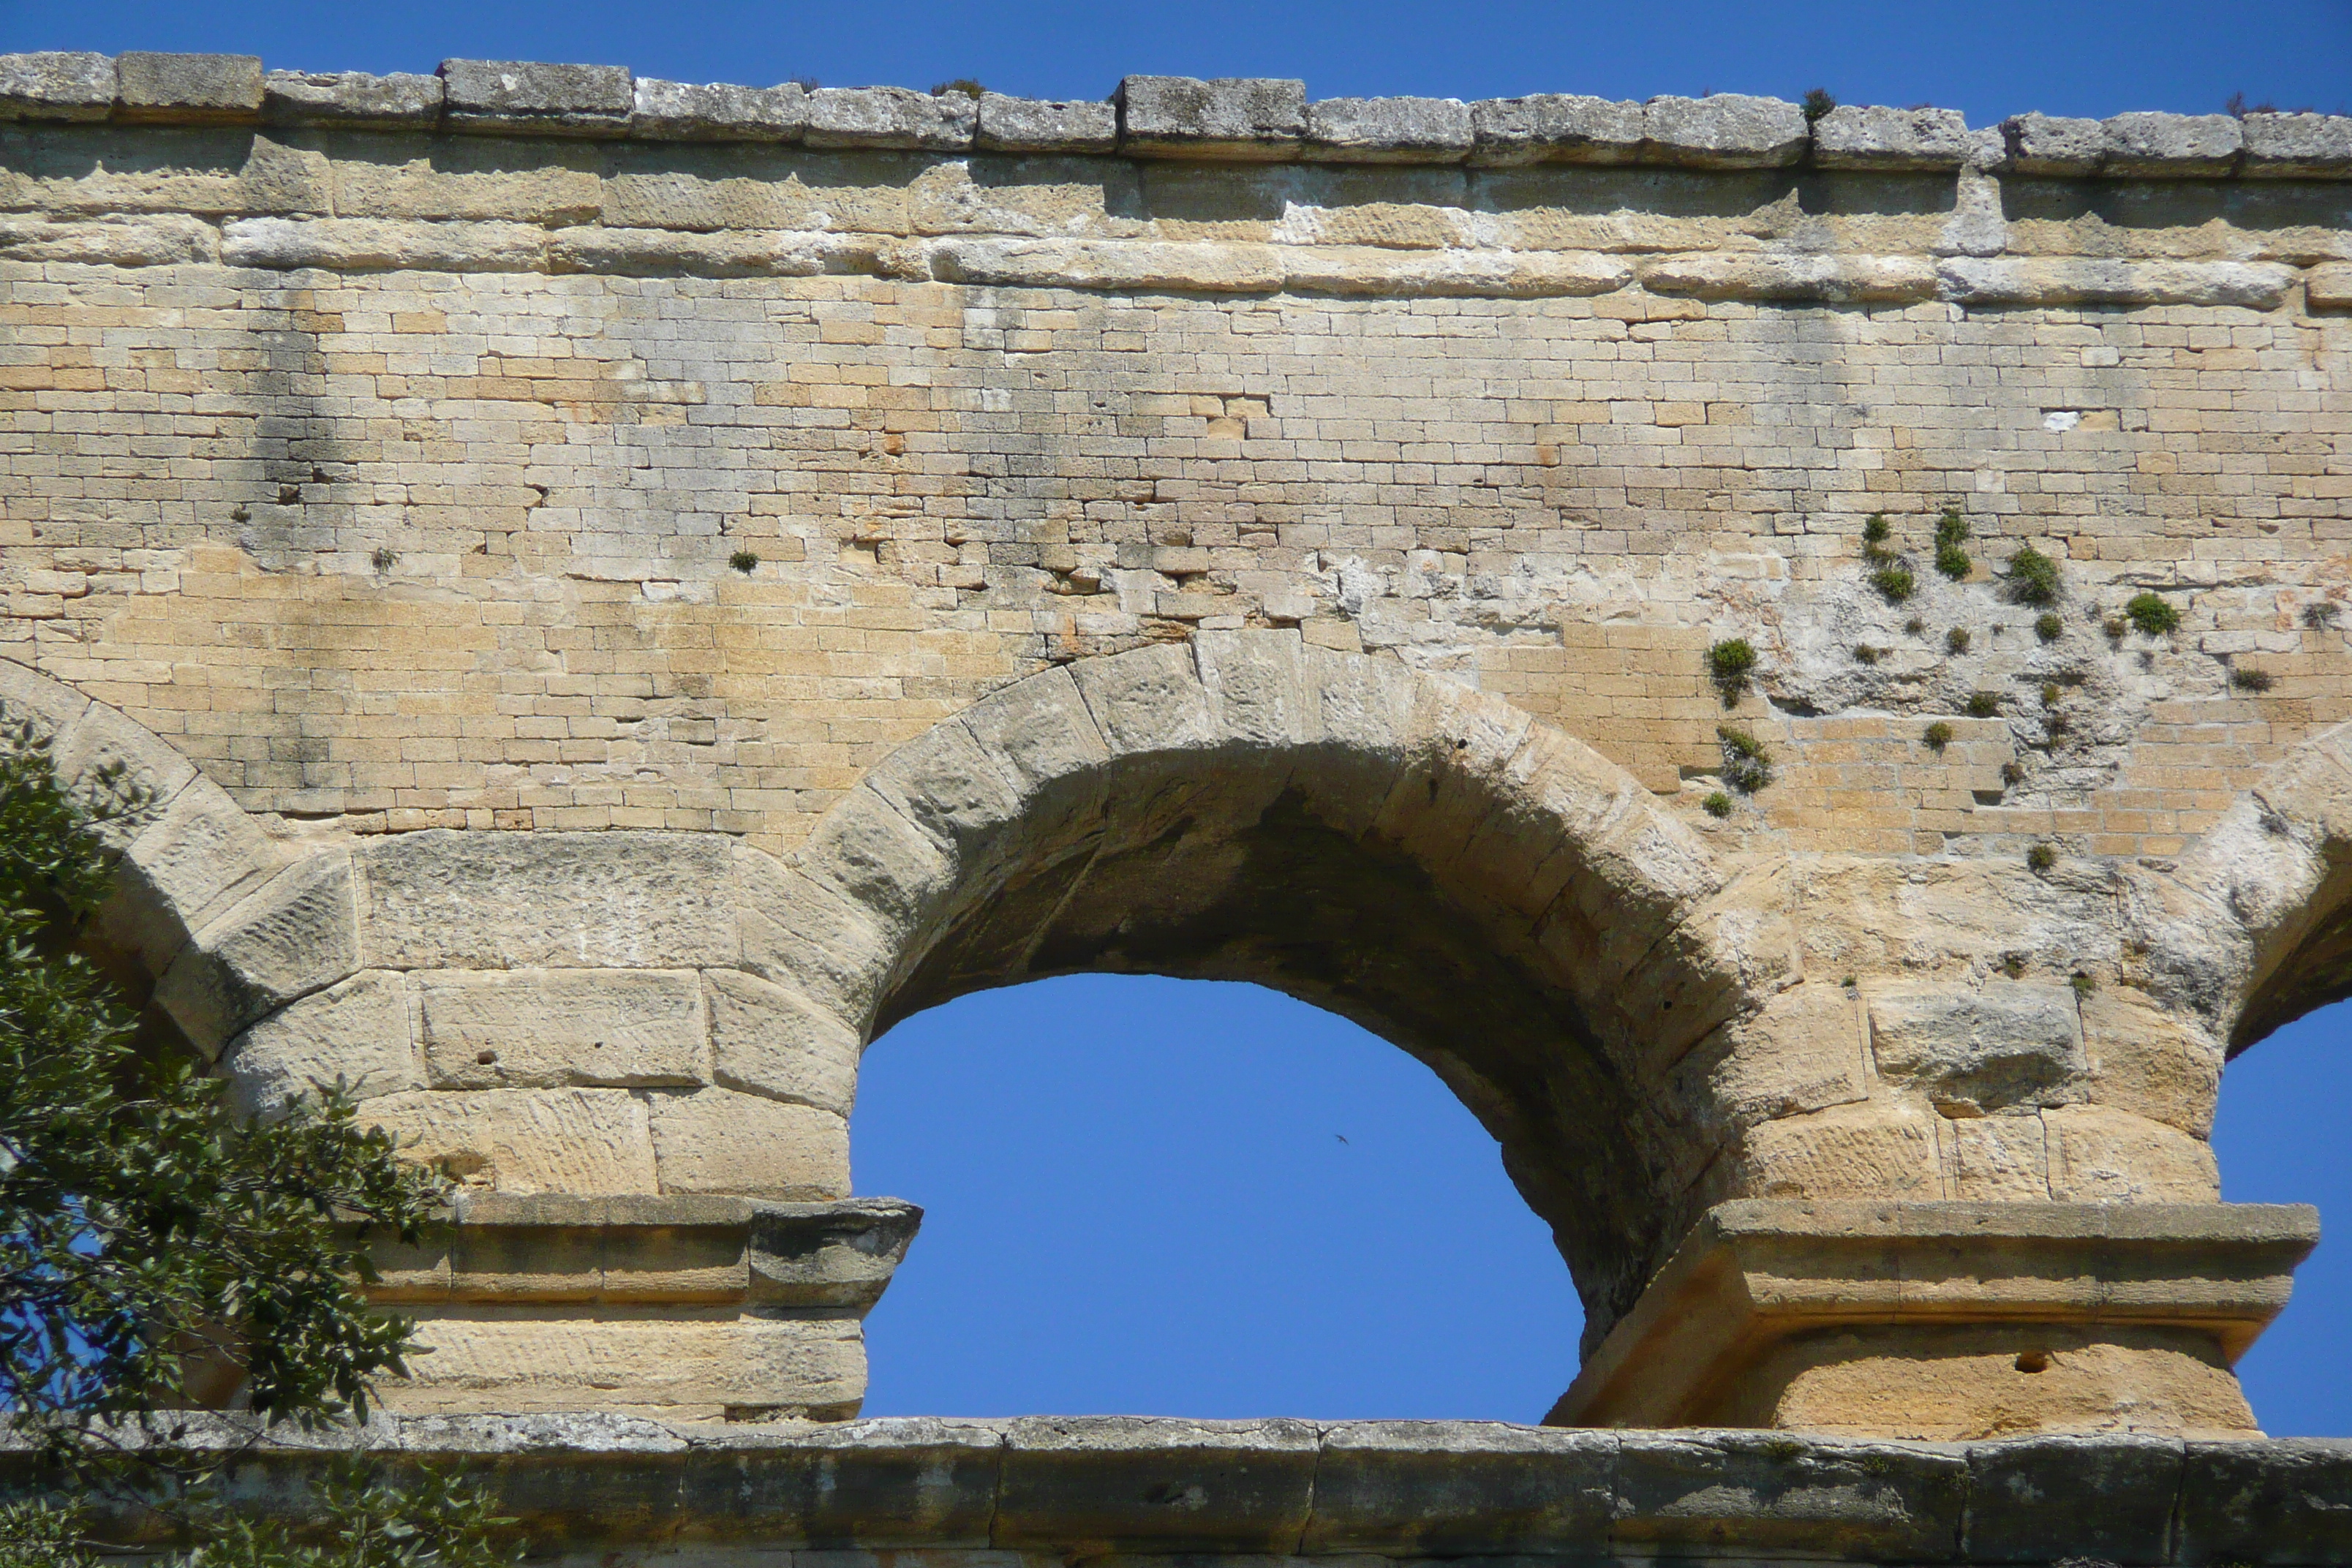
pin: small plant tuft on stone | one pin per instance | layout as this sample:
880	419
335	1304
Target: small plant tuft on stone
2114	626
1915	625
1894	583
2084	985
2152	613
962	84
1727	665
2012	964
1865	654
1983	704
2320	614
2048	627
1851	983
1747	764
1956	640
1816	103
1718	803
2050	694
743	561
2032	577
2041	857
1937	735
1951	533
1875	529
2248	679
384	559
2012	774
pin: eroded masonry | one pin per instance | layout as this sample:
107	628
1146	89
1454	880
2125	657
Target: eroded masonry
1797	664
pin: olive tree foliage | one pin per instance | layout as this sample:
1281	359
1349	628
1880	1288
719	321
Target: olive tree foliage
154	1246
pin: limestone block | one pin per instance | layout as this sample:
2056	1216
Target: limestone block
890	117
1147	700
351	101
1997	1159
2041	145
381	245
1686	1495
765	1040
356	1030
1114	264
2298	146
291	936
1855	136
1429	1490
1388	131
1248	1486
498	901
2117	1492
1256	684
101	738
1555	128
529	97
584	1142
715	112
1375	271
2011	1043
1729	131
811	938
184	89
164	239
664	253
2166	144
946	782
1240	118
50	707
2329	288
716	1141
1881	1149
2151	1061
57	86
1803	1051
538	1027
201	849
2099	1155
1034	125
1828	279
1967	280
870	852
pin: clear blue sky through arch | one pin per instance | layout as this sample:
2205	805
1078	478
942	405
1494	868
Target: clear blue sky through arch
1195	1198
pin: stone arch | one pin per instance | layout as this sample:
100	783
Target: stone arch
1473	884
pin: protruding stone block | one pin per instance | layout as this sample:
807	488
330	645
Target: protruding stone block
2298	146
691	1366
891	117
2172	144
1972	1052
1729	131
1388	131
1238	1486
221	89
538	1027
356	1032
528	96
1032	125
2042	145
715	112
1239	118
1855	136
69	86
351	101
1555	128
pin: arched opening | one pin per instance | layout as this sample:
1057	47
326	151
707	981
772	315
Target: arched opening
1195	1198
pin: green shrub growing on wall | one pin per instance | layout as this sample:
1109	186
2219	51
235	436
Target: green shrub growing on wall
1983	704
1951	533
1937	735
1747	764
2032	577
1894	583
1727	665
2048	627
2152	614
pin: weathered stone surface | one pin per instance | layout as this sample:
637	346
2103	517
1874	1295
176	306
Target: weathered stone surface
1829	280
2279	1502
1461	1489
291	936
496	900
1109	264
351	99
2100	1155
716	1141
168	240
1555	128
355	1032
1155	1486
2041	144
2329	288
890	117
1970	1052
536	1028
1240	118
212	89
200	850
532	96
1373	271
2113	1494
715	111
1855	136
57	86
664	253
2298	146
1877	1150
383	245
767	1041
1969	281
1729	131
1707	1493
694	1369
2163	144
1388	131
1036	125
574	1141
810	937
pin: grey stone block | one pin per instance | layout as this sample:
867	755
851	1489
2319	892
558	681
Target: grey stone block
57	86
2012	1042
2109	1498
718	112
1388	130
919	1481
1555	128
2298	146
1857	136
894	116
1759	1493
1730	131
351	99
1240	118
1077	1484
2172	144
2275	1503
2041	145
207	89
1034	125
531	96
1463	1488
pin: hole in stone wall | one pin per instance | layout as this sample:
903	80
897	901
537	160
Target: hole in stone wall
1199	1198
2033	1361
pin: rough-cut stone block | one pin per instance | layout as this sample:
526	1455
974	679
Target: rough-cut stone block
871	854
100	739
890	117
2329	288
1855	136
579	1141
529	95
1729	131
2162	144
2044	144
1462	1488
923	1481
1156	1486
1878	1149
291	936
2298	146
499	900
1241	118
356	1031
1803	1051
1388	131
662	253
380	245
351	101
1037	125
2066	281
2275	1503
57	86
536	1028
718	112
1555	128
716	1141
811	938
1827	279
2110	1497
765	1040
1195	267
2099	1155
1972	1052
1699	1493
188	88
1149	700
179	868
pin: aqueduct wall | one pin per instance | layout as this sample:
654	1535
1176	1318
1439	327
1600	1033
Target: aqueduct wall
626	589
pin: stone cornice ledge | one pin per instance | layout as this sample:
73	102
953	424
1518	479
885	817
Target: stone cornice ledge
1238	120
1095	1485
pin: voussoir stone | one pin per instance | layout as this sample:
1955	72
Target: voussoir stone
766	1039
1388	131
1555	128
355	1032
1729	131
351	99
291	936
531	96
718	112
1036	125
201	849
893	117
57	85
1858	136
208	88
538	1027
1240	118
